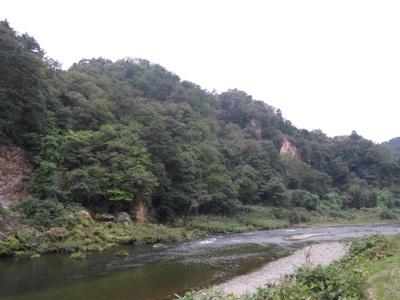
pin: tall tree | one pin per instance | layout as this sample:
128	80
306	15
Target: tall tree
22	86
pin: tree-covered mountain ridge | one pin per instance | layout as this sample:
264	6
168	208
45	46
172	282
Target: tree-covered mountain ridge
393	145
116	136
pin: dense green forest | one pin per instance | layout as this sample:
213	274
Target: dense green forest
394	146
115	135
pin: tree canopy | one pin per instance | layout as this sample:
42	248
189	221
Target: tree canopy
112	134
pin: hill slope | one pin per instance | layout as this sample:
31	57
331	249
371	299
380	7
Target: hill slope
115	136
394	146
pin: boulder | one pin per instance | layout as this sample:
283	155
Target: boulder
124	218
84	215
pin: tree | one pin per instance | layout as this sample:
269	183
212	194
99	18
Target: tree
22	89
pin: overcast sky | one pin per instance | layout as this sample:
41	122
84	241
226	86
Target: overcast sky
329	65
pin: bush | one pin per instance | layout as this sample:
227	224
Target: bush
39	213
304	199
374	246
9	246
323	282
293	216
387	215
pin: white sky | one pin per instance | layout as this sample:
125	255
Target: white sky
329	65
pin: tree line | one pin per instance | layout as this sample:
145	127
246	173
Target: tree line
111	135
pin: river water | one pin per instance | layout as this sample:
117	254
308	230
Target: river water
158	273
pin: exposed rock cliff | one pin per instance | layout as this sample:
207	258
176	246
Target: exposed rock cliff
14	174
256	125
289	148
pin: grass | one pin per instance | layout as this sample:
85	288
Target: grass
384	276
250	218
253	218
350	217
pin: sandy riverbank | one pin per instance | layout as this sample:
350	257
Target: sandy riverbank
323	254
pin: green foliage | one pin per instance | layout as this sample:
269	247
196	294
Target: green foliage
152	234
118	195
261	218
8	246
383	281
250	218
206	295
39	213
374	246
78	255
110	135
122	253
388	215
22	90
322	282
394	146
304	199
217	224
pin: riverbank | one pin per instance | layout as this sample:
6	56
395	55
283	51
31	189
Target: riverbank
317	254
70	229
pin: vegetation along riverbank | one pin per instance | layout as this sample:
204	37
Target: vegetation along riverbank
42	226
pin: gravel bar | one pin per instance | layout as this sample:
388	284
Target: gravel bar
317	254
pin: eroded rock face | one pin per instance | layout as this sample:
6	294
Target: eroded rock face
10	224
141	213
14	174
289	148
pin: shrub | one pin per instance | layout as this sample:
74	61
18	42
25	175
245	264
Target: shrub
323	282
387	215
374	246
9	246
304	199
39	213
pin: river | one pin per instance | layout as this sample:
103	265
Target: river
158	273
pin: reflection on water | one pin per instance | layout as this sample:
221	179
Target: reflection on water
149	273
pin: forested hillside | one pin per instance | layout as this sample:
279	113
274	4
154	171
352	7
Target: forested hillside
394	146
117	135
